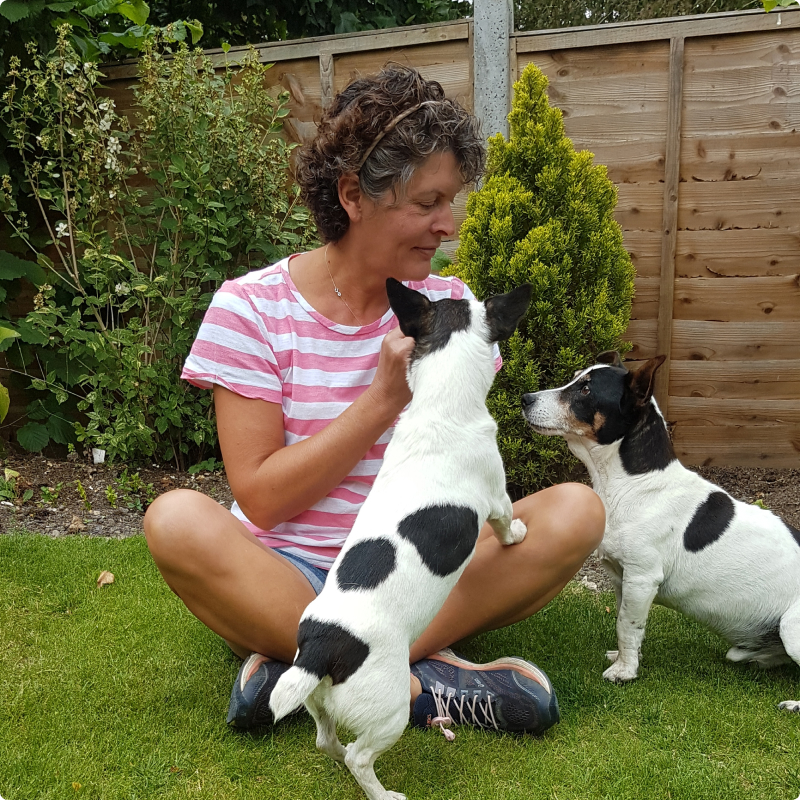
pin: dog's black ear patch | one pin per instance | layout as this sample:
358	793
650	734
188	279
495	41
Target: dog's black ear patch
504	311
449	316
647	447
366	565
710	521
642	380
329	649
412	309
444	536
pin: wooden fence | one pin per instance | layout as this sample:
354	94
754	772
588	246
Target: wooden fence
697	119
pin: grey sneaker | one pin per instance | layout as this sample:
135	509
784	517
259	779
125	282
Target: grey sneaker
509	694
249	706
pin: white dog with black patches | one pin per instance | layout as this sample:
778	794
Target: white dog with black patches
441	479
671	536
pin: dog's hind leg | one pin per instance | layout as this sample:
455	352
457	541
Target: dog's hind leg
790	636
363	752
327	740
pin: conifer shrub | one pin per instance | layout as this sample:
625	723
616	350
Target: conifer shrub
544	216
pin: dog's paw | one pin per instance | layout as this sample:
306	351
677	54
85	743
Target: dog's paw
395	796
612	655
518	531
790	705
619	672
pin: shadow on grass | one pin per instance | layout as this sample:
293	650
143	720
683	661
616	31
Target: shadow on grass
120	693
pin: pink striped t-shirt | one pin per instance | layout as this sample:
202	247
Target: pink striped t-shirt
261	339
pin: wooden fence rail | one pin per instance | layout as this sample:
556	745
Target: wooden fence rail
697	120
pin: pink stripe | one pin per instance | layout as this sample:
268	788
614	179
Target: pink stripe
340	493
231	321
323	519
300	393
231	357
336	363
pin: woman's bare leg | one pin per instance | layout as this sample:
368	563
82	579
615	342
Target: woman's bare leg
253	598
239	588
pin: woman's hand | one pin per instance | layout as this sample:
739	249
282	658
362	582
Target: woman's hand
389	387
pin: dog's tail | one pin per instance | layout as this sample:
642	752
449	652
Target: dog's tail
291	691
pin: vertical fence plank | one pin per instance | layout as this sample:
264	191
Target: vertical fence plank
326	76
669	226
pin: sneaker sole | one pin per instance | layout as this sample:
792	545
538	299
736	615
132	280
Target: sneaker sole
515	664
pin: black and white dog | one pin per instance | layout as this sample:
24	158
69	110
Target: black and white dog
671	536
441	479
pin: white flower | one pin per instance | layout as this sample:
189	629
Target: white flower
104	106
113	145
62	229
104	124
112	194
87	66
588	13
122	288
69	67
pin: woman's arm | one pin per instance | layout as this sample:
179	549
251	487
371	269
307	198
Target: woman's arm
273	482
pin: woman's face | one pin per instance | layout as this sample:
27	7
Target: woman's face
402	236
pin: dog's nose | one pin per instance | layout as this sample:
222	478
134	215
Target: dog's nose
528	399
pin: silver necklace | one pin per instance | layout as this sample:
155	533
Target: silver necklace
336	288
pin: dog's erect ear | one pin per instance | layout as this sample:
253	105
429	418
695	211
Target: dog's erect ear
412	309
504	311
641	381
609	357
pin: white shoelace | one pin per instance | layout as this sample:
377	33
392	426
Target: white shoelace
443	718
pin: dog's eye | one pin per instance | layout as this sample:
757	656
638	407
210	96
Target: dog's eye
585	389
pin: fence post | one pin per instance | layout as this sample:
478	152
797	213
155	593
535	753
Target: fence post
669	224
493	22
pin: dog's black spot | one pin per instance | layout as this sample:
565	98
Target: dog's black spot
366	565
709	522
647	448
444	536
445	318
329	649
794	532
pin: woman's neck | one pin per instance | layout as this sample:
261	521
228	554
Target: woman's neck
339	288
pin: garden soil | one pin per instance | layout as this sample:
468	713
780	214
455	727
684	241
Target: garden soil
114	502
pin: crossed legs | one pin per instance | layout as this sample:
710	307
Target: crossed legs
254	598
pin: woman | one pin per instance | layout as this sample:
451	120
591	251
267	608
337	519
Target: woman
307	366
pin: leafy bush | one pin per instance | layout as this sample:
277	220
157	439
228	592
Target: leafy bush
544	216
144	223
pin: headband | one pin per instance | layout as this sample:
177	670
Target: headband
391	126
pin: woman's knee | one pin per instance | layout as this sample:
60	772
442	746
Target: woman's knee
583	515
570	516
171	520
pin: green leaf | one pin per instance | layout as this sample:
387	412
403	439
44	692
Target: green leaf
5	402
195	27
769	4
13	267
7	333
67	6
137	11
61	430
33	437
15	10
225	47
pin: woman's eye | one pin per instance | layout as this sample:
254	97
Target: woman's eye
585	389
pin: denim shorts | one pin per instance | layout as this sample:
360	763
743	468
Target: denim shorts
314	575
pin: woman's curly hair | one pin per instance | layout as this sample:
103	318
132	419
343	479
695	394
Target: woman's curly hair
358	116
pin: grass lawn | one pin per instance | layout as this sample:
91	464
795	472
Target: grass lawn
120	693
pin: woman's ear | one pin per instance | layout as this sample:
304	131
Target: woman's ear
350	196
